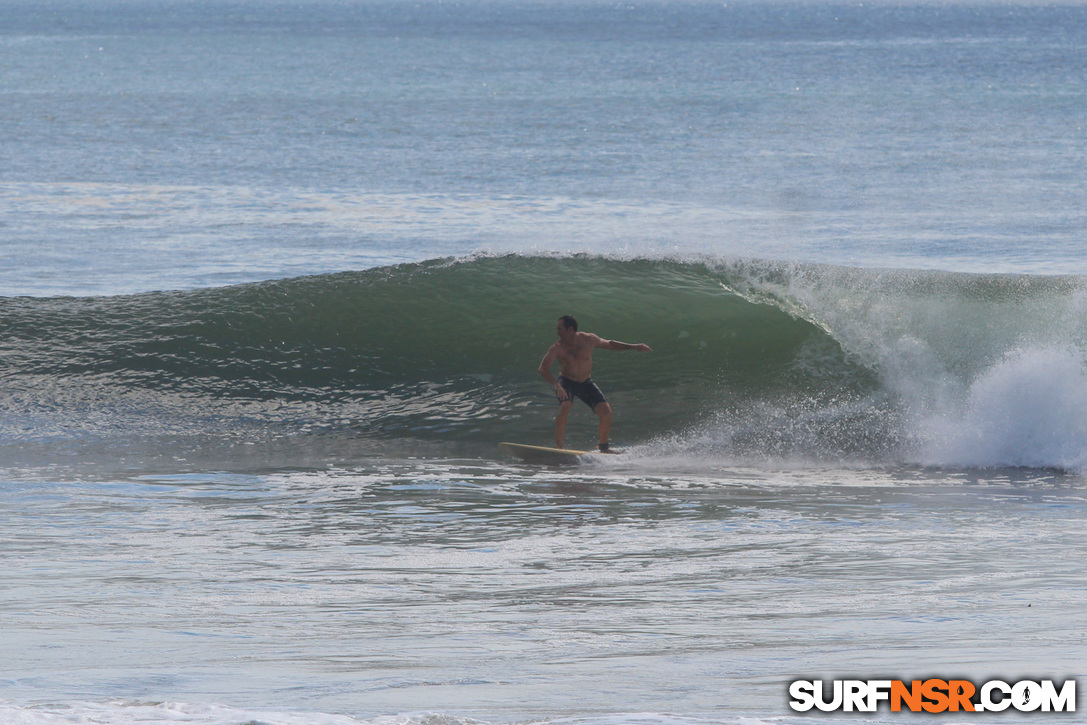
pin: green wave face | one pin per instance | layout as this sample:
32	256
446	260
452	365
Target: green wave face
749	358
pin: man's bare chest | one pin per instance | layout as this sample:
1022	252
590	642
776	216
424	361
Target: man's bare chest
575	354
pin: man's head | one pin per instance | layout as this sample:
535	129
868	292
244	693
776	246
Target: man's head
566	326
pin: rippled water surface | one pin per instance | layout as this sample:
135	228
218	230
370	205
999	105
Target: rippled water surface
505	593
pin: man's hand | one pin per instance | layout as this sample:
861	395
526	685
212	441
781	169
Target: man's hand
561	392
616	345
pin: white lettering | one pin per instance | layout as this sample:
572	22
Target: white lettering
987	696
1027	696
878	690
803	694
993	696
1064	701
856	696
835	703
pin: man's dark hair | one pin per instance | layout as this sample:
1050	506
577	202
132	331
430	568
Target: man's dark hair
568	321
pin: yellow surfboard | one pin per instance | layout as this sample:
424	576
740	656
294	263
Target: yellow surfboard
542	454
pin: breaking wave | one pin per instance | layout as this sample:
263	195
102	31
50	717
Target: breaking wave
753	360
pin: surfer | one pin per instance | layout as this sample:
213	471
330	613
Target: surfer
574	351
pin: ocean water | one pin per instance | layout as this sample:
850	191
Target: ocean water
275	278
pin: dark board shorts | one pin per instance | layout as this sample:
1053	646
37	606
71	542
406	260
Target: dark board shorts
586	390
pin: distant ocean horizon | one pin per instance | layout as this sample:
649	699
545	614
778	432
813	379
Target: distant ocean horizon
276	278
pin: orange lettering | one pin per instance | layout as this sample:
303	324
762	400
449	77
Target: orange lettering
961	691
900	693
934	690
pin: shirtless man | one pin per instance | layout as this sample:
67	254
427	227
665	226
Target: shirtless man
574	351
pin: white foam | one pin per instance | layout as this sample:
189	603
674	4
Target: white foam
1029	409
974	370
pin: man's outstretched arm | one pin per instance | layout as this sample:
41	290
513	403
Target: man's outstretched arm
616	345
